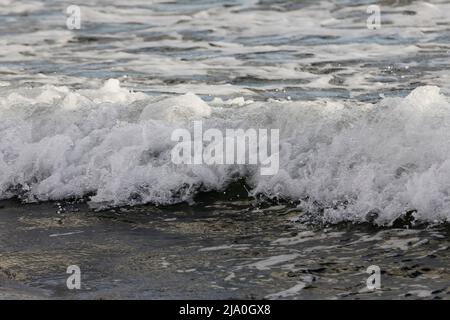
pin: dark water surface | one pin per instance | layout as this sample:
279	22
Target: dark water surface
219	249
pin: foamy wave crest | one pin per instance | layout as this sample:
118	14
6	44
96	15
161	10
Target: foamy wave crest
342	160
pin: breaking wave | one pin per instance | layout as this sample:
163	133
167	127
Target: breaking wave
345	159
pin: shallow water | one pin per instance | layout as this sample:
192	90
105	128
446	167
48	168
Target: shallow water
259	49
364	119
213	250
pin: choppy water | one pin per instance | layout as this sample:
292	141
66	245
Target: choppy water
257	49
364	119
217	249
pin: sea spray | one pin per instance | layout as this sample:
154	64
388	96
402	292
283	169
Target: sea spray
342	159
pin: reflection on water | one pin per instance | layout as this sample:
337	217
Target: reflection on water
219	249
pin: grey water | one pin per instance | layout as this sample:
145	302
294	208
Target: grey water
230	245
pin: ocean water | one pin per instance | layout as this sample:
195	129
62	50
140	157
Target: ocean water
86	117
364	114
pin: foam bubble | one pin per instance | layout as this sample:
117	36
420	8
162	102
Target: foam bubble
343	160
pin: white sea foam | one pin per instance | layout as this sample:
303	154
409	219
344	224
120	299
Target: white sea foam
213	48
344	159
291	292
